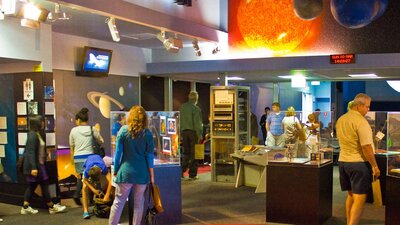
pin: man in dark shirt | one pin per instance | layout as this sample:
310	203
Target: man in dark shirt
191	130
262	123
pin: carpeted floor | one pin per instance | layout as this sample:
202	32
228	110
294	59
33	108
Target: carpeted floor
203	202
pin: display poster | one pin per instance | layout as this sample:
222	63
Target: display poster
163	125
49	108
21	108
3	122
21	151
2	151
49	123
22	123
171	126
48	92
166	144
22	138
50	139
33	108
3	138
28	89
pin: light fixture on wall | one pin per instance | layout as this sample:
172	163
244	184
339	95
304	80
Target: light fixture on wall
33	15
58	14
170	44
196	47
216	49
113	29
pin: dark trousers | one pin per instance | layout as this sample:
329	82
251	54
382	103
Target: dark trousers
189	140
31	189
79	185
264	133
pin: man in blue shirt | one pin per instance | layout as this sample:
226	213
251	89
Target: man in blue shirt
274	127
94	168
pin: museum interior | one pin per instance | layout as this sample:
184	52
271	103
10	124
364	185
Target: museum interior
311	56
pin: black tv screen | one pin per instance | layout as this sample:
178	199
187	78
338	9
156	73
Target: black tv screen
96	62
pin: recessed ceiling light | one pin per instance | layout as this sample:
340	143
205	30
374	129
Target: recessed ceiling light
286	76
235	78
315	82
364	75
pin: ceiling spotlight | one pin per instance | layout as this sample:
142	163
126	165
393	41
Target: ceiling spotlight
196	48
113	29
32	15
1	15
170	44
58	14
9	7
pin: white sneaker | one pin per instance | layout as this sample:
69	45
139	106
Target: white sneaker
57	208
28	210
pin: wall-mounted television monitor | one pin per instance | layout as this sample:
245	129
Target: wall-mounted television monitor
96	62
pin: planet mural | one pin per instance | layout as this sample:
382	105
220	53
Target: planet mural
103	103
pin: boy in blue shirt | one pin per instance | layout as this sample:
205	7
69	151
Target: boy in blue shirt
94	168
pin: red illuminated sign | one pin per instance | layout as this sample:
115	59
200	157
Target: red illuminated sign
343	59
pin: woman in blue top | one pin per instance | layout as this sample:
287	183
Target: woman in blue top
133	164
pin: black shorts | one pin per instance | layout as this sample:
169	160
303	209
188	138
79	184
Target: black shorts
355	177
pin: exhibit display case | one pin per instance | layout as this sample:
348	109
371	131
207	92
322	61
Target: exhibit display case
230	128
316	146
164	125
393	144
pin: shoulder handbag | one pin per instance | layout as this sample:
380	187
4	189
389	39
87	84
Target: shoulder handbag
156	198
97	148
299	133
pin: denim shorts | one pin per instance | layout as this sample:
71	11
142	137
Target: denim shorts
355	177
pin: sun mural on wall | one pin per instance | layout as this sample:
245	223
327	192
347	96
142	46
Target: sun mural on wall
271	25
295	27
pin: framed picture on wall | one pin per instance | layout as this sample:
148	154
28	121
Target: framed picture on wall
48	92
49	123
22	123
33	108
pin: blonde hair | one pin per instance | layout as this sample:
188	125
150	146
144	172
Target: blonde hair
311	118
290	111
137	120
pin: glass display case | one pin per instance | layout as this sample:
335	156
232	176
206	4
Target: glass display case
230	128
393	144
315	148
165	129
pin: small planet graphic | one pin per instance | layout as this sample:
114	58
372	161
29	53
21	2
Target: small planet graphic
356	13
121	91
103	103
307	9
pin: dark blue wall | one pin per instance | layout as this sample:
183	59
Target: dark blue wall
7	109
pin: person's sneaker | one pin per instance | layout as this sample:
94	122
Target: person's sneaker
194	178
57	208
86	215
28	210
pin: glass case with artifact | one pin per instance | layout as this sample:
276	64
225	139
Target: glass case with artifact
164	125
230	128
308	139
393	144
